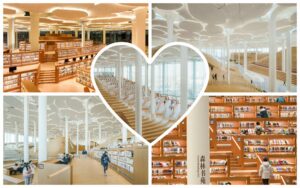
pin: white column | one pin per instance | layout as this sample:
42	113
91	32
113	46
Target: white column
56	30
146	80
34	34
153	103
89	141
16	40
42	129
76	33
100	134
34	137
288	67
138	94
245	58
66	135
26	129
170	26
183	79
140	27
124	135
11	33
86	125
104	36
133	31
228	57
82	34
88	34
283	56
119	76
272	53
77	139
16	135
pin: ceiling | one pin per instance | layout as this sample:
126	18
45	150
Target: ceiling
203	24
69	16
59	107
111	56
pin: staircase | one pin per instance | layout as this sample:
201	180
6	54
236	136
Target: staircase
151	129
46	76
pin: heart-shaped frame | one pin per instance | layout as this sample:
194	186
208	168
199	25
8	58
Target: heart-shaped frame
150	62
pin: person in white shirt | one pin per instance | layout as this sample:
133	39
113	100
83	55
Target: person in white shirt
26	173
32	168
265	171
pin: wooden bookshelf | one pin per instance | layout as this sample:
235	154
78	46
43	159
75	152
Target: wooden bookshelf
20	59
169	157
251	137
12	81
84	77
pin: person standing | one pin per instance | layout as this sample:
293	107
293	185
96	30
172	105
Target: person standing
104	162
265	171
32	168
26	173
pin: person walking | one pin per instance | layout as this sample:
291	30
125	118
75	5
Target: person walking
26	173
265	171
104	162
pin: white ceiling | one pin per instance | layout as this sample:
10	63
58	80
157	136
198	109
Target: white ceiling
202	24
68	16
59	107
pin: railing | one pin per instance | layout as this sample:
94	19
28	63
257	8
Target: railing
237	150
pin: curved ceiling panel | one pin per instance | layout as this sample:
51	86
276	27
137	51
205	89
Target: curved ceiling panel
190	25
209	13
168	6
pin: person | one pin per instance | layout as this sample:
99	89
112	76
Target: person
280	99
14	169
263	113
265	171
32	168
104	162
26	174
258	129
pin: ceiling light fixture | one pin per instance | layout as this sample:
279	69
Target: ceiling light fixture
69	8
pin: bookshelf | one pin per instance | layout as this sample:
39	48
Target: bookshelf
20	59
254	135
24	46
169	157
12	81
84	77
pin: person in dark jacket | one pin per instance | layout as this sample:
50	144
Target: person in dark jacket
104	162
263	112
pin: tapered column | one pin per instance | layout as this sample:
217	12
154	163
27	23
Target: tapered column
139	28
245	58
283	56
77	139
170	25
56	30
120	76
89	141
138	95
82	34
183	79
42	129
228	57
288	68
104	36
99	134
11	33
76	33
152	95
88	35
66	135
26	129
17	134
124	135
34	137
272	53
34	34
86	125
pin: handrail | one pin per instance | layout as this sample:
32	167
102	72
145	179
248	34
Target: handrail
238	146
58	172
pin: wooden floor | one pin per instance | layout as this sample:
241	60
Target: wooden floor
90	171
69	85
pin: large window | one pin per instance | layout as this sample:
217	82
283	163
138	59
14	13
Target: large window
96	36
118	36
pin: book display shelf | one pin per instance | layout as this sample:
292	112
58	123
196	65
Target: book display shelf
24	46
12	81
251	128
84	77
169	157
20	59
128	161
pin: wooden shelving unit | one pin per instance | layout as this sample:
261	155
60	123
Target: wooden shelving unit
84	77
169	165
236	124
12	81
20	59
